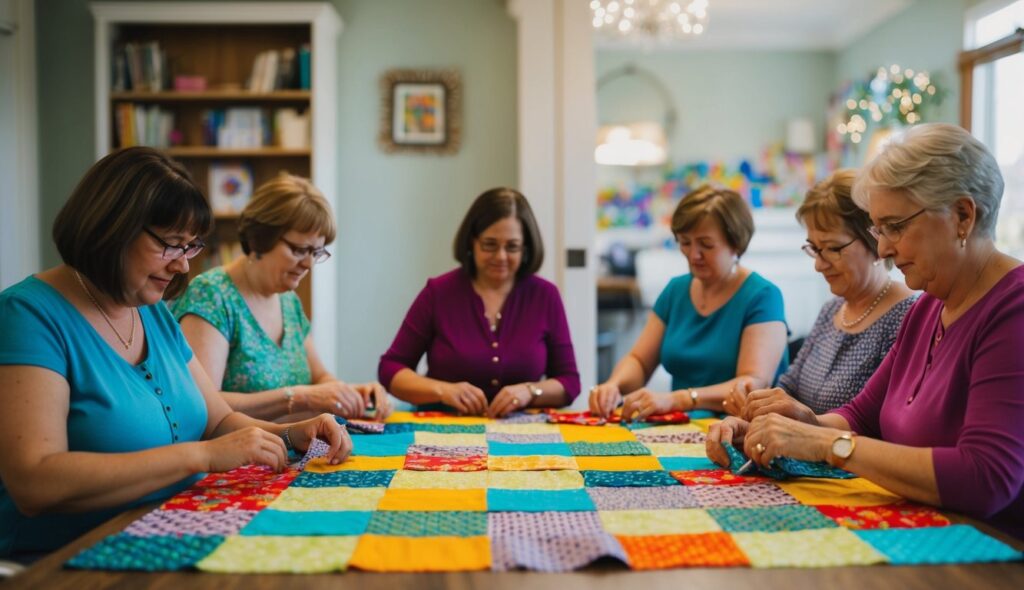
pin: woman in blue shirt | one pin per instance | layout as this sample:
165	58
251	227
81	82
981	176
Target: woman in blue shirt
719	325
103	405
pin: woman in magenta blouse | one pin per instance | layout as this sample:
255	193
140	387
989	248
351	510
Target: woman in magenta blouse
942	419
495	334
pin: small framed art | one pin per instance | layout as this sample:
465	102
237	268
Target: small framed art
421	111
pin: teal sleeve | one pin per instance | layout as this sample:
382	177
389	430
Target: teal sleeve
205	299
38	342
299	315
765	306
171	327
663	305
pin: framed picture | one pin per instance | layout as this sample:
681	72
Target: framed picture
421	111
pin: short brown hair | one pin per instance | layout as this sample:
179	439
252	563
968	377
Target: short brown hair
489	208
829	205
726	207
119	196
281	205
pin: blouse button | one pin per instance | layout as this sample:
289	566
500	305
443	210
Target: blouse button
494	345
495	359
158	391
494	382
494	328
168	408
149	376
175	437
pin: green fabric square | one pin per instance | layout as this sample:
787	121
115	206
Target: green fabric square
770	519
608	449
428	524
148	554
344	479
623	479
445	428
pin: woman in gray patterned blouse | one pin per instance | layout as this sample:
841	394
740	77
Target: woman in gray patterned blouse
855	330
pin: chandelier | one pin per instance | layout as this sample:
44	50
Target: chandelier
662	20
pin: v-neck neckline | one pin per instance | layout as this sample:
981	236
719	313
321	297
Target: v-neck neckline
252	316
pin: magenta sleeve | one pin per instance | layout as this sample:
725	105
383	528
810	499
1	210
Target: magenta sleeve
412	339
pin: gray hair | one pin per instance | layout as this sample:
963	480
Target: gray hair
936	164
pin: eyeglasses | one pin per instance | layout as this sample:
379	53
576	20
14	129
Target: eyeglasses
830	253
892	230
299	252
172	252
492	246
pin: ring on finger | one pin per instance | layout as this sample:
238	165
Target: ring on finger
515	401
337	405
759	448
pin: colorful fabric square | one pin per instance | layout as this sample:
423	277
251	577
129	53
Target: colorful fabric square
450	500
365	427
187	522
446	451
436	418
756	494
716	477
432	463
451	439
421	554
356	463
634	463
539	500
676	449
317	499
516	449
677	438
785	468
573	433
269	555
272	522
845	492
686	463
249	487
579	418
649	552
549	541
811	548
534	480
518	428
317	448
951	544
531	417
620	479
382	445
608	449
148	554
348	479
508	437
895	516
391	428
631	498
658	522
534	463
771	519
439	480
434	523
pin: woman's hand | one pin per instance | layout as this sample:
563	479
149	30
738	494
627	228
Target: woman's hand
465	397
245	446
772	435
509	399
326	428
374	395
643	403
731	430
776	401
736	400
334	397
604	398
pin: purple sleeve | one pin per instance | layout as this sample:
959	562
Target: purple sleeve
412	339
864	411
561	357
984	472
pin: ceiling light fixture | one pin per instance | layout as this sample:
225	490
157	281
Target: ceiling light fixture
647	20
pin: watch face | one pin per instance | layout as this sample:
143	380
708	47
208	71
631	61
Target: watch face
842	448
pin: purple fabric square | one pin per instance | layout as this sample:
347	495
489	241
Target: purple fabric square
317	448
758	494
549	541
162	523
633	498
443	451
523	418
682	438
504	437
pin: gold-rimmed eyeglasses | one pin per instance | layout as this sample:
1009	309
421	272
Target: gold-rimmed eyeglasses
893	230
829	253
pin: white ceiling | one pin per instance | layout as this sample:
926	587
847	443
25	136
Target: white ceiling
784	24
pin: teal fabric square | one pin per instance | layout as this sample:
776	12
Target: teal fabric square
624	479
344	479
428	524
446	428
539	500
686	463
504	449
608	449
147	554
305	524
959	543
382	445
770	519
784	467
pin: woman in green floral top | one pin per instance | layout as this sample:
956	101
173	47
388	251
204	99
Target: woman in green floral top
246	324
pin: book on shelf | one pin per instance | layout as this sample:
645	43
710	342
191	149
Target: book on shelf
143	125
139	67
230	187
304	67
278	69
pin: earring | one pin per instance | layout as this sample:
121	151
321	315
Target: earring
963	240
876	262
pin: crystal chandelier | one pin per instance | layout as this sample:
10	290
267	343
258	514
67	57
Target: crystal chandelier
662	20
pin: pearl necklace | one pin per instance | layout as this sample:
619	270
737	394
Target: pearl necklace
874	304
131	336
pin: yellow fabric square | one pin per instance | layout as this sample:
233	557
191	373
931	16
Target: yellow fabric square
433	500
445	439
840	492
452	480
530	463
623	463
421	554
271	554
408	417
607	433
357	463
534	428
676	449
658	522
328	499
704	423
809	548
535	480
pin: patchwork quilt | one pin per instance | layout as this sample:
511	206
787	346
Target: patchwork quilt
442	493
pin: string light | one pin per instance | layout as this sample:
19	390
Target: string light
893	96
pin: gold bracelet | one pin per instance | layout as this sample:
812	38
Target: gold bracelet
694	395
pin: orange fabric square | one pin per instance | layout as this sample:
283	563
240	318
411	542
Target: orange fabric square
357	463
607	433
421	554
665	551
433	500
430	418
623	463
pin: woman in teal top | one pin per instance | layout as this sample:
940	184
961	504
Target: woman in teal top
246	323
103	406
716	327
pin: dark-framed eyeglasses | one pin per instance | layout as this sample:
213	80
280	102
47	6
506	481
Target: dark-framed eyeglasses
172	252
492	246
299	252
893	230
829	253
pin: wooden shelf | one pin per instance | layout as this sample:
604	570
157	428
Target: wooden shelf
213	96
209	151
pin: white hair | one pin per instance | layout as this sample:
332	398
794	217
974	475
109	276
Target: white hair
936	164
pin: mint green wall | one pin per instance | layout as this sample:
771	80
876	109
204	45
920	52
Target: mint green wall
397	213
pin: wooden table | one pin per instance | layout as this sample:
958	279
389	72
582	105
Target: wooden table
49	574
